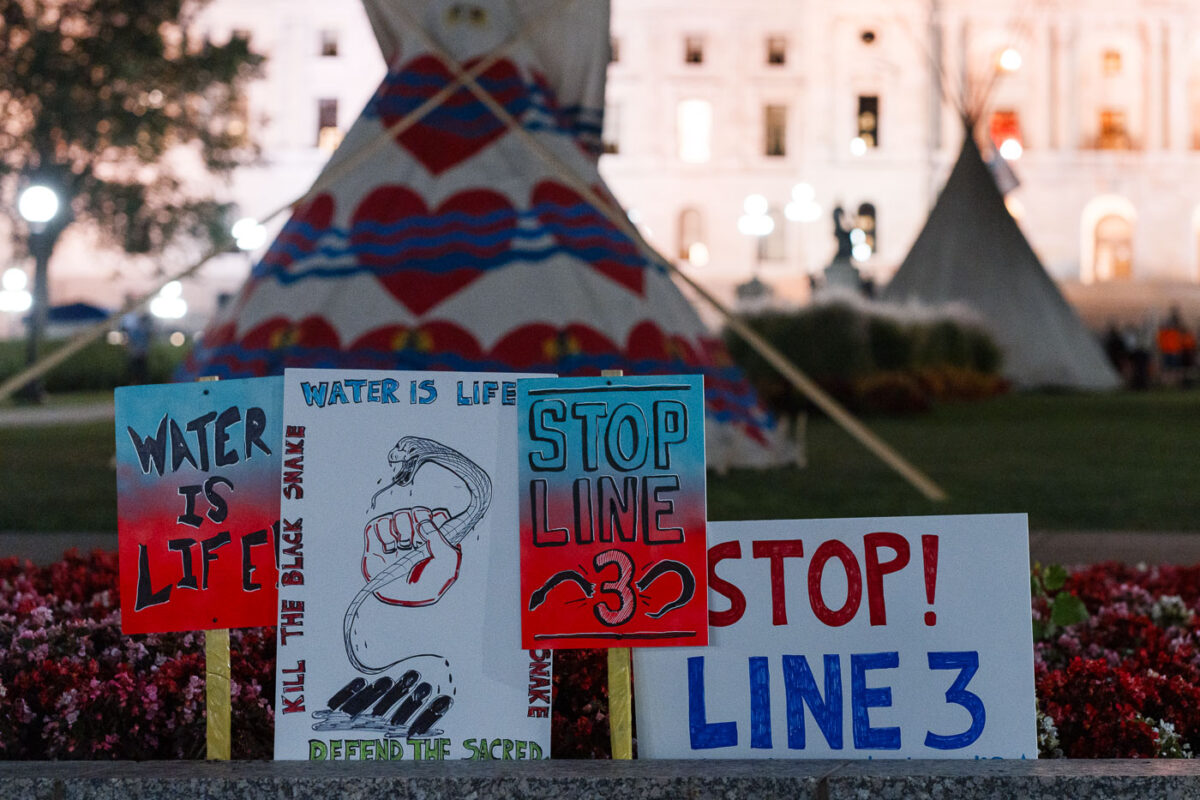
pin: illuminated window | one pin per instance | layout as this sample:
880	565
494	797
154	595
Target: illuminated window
775	128
1113	133
868	119
329	43
865	222
1111	62
610	133
693	49
329	136
776	50
691	237
694	121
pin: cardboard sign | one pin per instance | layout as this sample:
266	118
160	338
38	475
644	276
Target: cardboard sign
853	638
197	504
612	490
398	631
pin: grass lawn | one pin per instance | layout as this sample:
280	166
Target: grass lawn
1075	462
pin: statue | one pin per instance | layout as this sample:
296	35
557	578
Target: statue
841	274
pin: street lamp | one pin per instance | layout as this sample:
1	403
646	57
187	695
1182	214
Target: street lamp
38	205
248	234
756	223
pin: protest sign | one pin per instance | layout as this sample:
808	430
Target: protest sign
398	630
853	638
197	504
612	488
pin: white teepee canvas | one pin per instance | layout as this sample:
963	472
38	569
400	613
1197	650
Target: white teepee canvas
452	245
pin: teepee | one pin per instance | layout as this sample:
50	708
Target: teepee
441	235
971	251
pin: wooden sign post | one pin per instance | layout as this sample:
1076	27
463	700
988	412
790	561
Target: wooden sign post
613	551
620	680
217	700
198	469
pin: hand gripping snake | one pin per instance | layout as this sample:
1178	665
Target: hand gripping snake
405	459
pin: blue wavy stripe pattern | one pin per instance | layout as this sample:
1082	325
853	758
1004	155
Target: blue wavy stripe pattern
287	274
729	399
446	242
402	92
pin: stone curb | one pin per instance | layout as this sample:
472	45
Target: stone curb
584	780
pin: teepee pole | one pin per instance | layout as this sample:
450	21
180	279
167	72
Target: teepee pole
789	371
50	361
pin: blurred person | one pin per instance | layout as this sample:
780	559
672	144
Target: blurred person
138	327
1170	348
1187	367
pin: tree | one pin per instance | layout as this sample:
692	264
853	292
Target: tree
94	94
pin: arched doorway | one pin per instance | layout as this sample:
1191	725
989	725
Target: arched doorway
1106	244
1113	253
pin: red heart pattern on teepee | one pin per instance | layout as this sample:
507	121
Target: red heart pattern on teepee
423	256
578	227
461	125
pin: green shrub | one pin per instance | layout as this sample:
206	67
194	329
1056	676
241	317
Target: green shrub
870	359
892	344
99	365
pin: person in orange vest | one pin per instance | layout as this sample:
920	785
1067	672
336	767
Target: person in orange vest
1170	348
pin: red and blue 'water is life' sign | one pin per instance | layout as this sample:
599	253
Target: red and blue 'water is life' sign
612	502
198	469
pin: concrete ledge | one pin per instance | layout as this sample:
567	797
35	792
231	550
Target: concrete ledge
584	780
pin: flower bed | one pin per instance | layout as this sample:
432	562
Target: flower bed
1124	682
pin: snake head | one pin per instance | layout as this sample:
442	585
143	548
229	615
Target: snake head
404	459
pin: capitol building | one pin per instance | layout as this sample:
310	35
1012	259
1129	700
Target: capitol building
734	128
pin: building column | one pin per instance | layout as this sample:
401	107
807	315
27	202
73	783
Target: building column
1175	89
1152	131
1057	96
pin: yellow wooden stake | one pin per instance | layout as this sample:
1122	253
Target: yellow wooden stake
620	702
620	681
217	701
216	693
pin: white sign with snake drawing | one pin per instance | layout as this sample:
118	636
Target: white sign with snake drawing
399	637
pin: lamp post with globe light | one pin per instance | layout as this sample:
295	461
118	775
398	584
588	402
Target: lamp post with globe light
39	206
755	223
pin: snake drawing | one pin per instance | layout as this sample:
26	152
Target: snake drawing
405	459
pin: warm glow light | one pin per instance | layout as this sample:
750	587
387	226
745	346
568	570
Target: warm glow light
169	304
14	280
755	205
755	224
1011	150
1010	60
38	204
698	254
858	146
13	296
178	339
15	301
248	234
